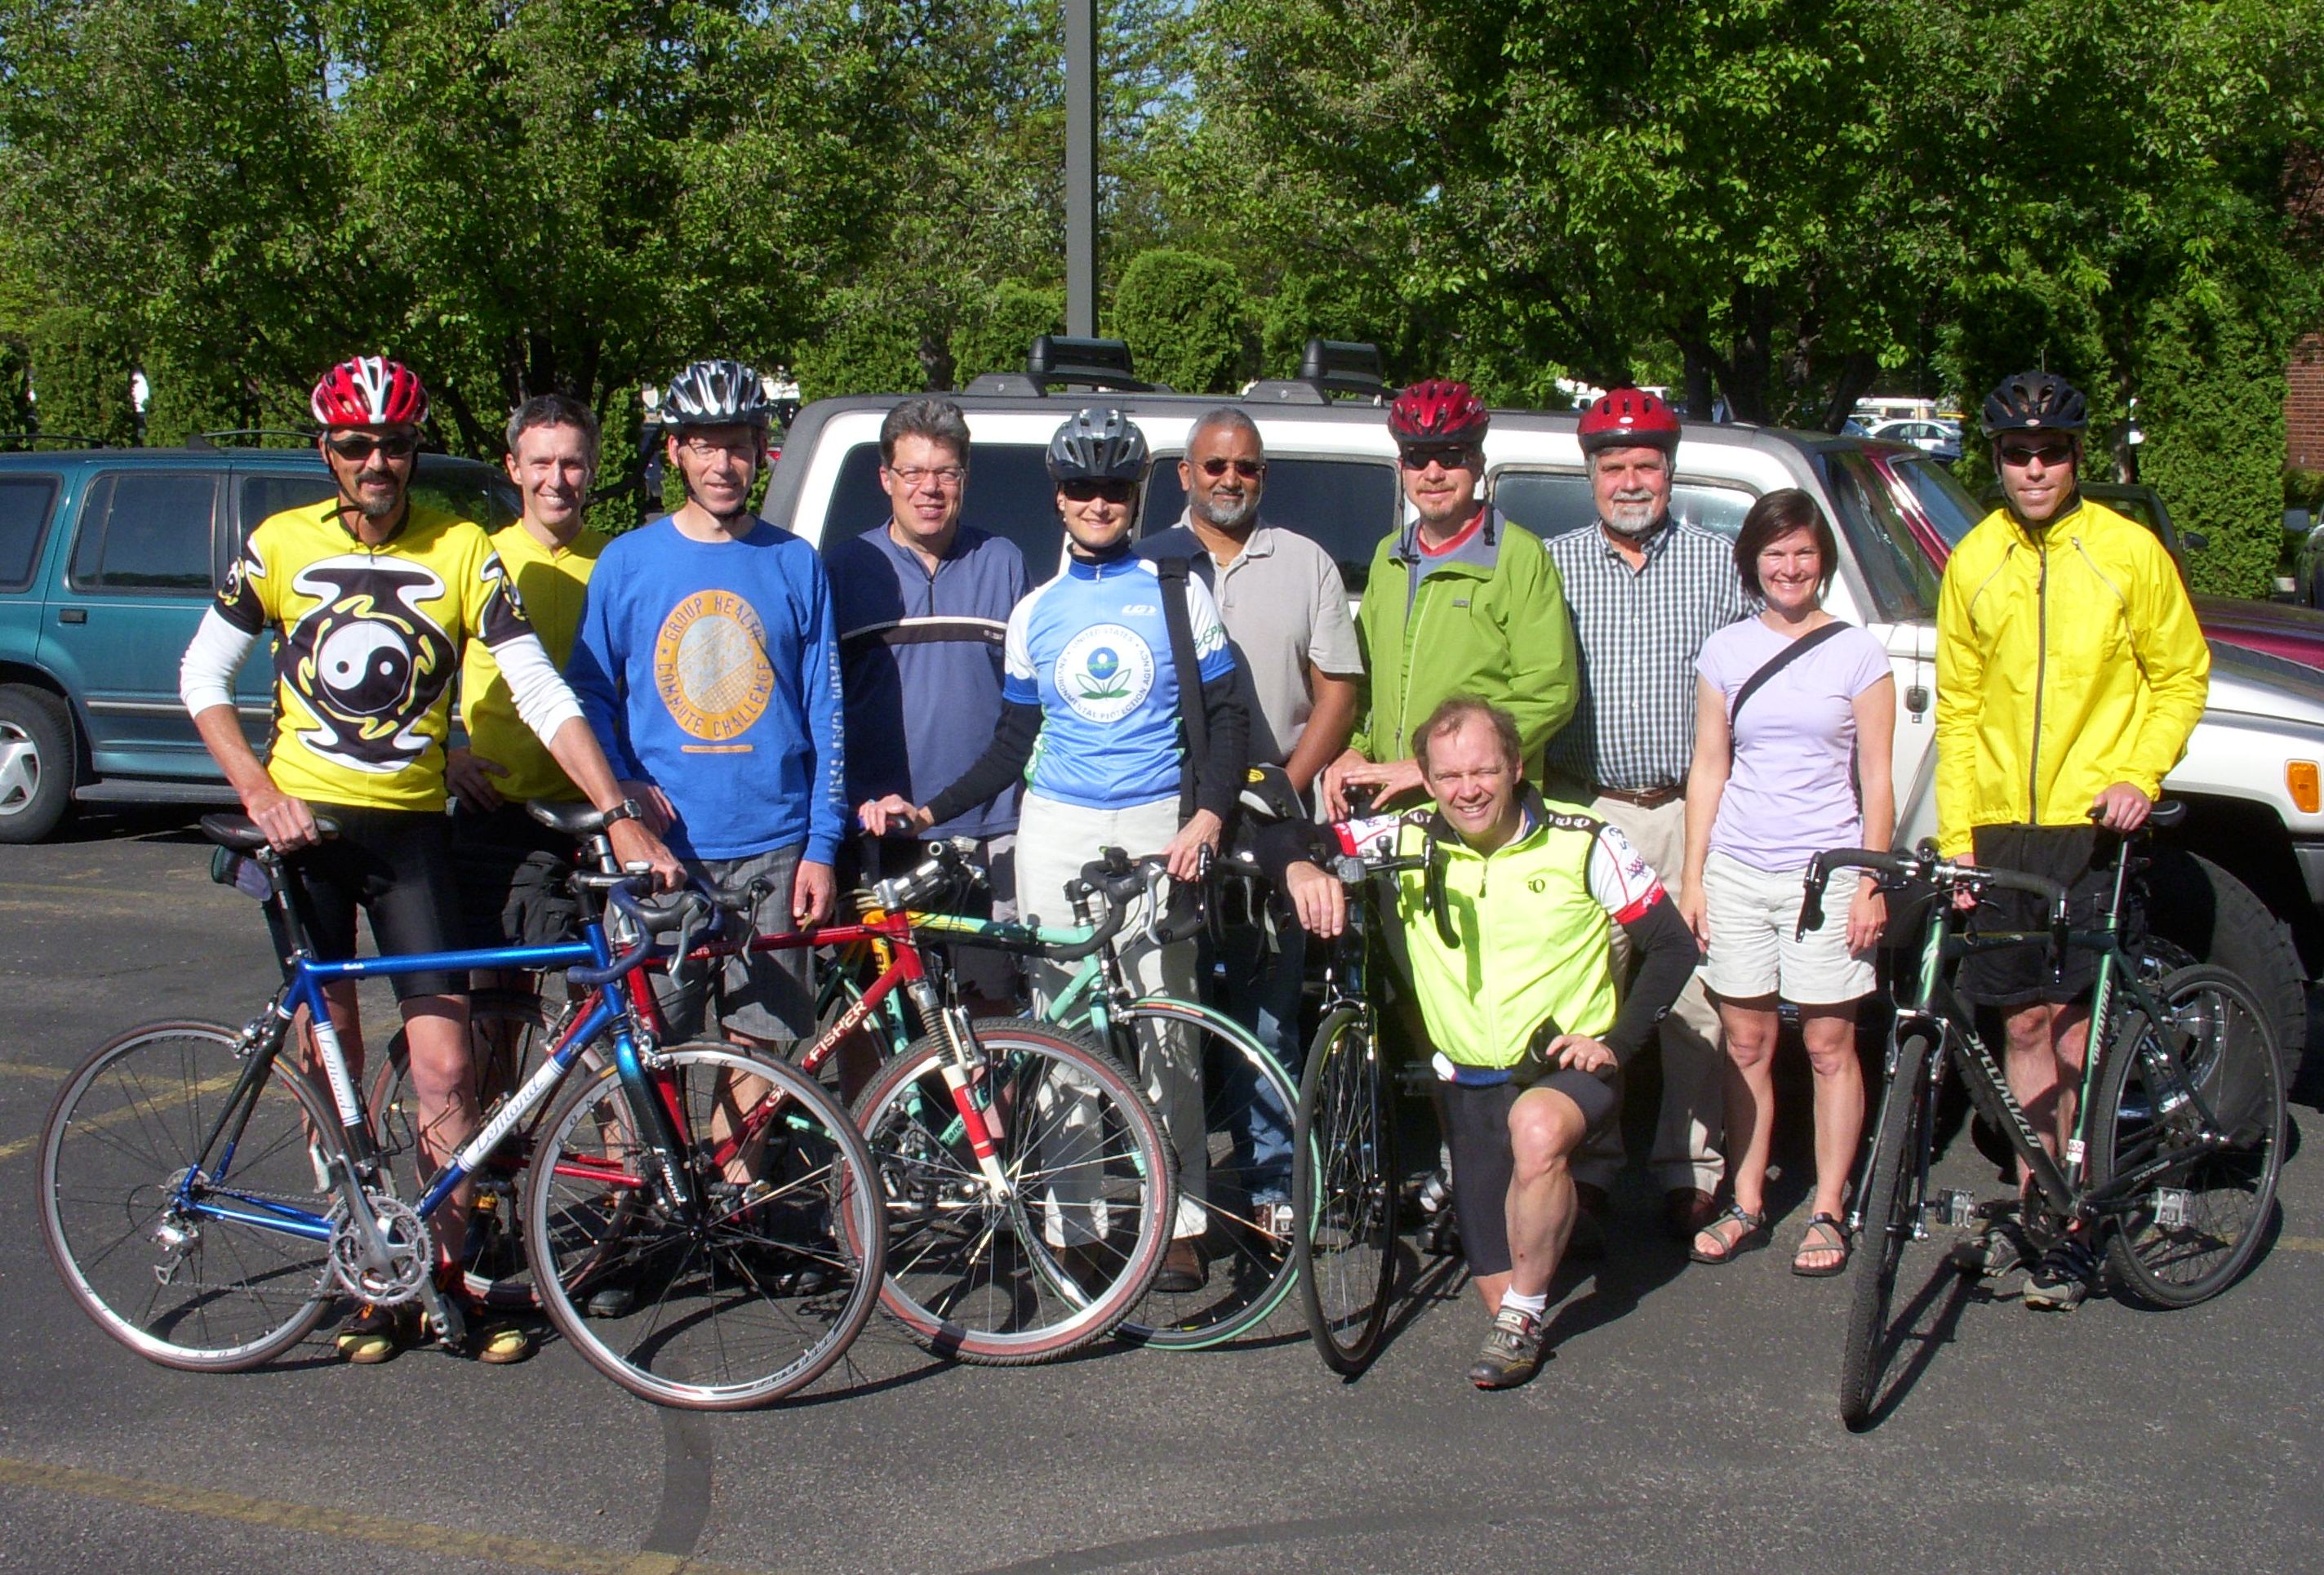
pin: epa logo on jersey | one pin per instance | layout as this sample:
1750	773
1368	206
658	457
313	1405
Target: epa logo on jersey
1105	672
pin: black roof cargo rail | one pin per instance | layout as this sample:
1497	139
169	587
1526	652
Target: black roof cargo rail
14	443
210	440
1084	363
1326	368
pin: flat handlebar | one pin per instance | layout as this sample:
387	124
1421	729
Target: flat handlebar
1922	865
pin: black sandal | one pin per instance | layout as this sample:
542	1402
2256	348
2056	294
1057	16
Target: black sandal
1753	1236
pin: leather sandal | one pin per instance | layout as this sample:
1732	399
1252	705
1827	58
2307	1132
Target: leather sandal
1727	1248
1825	1234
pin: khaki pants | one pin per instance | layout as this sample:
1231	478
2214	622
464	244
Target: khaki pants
1693	1122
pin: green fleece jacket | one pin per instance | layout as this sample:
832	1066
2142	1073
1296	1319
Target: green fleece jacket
1487	618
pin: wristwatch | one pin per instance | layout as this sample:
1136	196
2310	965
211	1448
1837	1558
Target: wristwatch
627	810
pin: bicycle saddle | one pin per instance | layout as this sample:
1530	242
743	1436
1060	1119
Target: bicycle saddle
241	833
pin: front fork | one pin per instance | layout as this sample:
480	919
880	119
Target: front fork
982	1123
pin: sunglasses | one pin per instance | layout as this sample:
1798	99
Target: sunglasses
1457	458
2056	453
1089	491
1249	470
356	447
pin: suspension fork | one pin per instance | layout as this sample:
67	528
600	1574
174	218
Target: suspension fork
979	1122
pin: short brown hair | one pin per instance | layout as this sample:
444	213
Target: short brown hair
1455	713
1776	515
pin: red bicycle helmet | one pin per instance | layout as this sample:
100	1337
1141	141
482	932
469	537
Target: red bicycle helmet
1437	411
1628	418
370	391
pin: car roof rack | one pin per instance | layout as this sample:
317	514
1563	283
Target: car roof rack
1073	362
1326	368
210	440
12	442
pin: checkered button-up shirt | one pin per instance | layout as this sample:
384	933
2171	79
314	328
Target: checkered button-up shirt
1639	631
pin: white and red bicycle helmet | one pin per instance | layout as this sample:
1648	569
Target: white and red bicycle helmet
370	391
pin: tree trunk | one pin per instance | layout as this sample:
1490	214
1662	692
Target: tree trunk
1856	375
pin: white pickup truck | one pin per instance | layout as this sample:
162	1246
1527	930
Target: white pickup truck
2242	882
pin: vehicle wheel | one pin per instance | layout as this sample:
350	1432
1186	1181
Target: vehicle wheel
2198	1100
749	1296
1072	1246
1249	1257
2218	918
36	763
1344	1192
509	1033
215	1295
1891	1212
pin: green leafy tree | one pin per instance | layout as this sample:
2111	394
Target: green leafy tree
80	370
996	335
1183	314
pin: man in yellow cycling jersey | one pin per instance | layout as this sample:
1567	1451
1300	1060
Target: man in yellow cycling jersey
2070	672
372	598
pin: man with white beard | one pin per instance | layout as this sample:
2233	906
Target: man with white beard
1646	591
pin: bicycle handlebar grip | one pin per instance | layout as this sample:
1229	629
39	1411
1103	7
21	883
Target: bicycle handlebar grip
1107	928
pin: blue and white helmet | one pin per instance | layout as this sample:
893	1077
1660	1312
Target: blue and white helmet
1098	444
721	393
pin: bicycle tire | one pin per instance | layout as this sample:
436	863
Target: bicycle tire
495	1269
1889	1208
754	1302
997	1281
1344	1193
124	1126
2225	1043
1251	1267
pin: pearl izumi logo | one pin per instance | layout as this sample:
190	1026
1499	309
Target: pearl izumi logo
1105	671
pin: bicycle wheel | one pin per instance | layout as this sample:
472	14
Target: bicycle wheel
180	1288
1891	1216
748	1297
1344	1187
2194	1106
1016	1277
509	1033
1244	1204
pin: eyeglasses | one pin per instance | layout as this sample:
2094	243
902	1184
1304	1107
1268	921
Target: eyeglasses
703	447
1085	491
1249	470
2022	454
1459	457
358	447
941	475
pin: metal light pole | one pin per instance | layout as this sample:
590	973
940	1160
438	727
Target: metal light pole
1080	167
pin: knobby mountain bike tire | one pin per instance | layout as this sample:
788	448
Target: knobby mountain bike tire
750	1298
1062	1256
1891	1212
200	1294
2213	1060
1246	1240
1344	1193
508	1036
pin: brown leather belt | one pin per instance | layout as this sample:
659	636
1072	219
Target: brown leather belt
1653	798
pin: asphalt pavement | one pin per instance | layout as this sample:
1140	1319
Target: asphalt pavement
1686	1420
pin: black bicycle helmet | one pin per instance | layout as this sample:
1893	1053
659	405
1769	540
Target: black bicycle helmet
1098	444
719	392
2035	401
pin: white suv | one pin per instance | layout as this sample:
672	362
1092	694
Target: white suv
2242	883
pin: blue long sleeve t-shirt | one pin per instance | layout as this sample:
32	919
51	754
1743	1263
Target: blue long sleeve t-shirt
711	669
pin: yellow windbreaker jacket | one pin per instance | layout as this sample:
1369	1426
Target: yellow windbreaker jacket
2067	660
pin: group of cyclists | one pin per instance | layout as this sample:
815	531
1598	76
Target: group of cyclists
1620	748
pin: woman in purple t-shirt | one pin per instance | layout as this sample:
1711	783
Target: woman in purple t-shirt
1776	782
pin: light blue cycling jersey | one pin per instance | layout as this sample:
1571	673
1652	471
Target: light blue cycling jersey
1090	649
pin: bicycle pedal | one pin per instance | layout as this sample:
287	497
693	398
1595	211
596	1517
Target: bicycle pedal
2170	1206
1955	1207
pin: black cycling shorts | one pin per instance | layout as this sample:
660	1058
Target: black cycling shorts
396	866
2082	859
1477	1129
512	872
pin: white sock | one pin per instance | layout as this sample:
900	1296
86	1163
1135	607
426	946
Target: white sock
1532	1306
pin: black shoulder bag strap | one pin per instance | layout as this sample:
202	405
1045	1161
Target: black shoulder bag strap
1776	664
1193	724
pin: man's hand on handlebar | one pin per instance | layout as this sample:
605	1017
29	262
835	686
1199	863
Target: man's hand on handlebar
1184	854
634	843
2121	808
1965	897
288	822
1317	897
892	816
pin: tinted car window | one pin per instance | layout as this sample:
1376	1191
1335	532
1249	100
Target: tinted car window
1941	496
1347	505
1010	494
1904	585
1550	503
146	530
25	502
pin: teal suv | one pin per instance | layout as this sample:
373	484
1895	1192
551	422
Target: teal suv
107	558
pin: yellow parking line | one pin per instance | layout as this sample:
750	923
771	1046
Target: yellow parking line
382	1531
9	1151
24	1068
2300	1244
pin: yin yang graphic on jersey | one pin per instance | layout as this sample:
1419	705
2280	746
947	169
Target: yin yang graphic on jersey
711	668
367	661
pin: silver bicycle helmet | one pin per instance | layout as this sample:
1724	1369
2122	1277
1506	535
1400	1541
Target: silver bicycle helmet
1098	444
2035	401
720	393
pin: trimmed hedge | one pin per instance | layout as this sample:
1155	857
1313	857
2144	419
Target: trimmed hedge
995	336
81	372
2212	401
1183	316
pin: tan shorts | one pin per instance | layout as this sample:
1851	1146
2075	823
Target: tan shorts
1753	915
